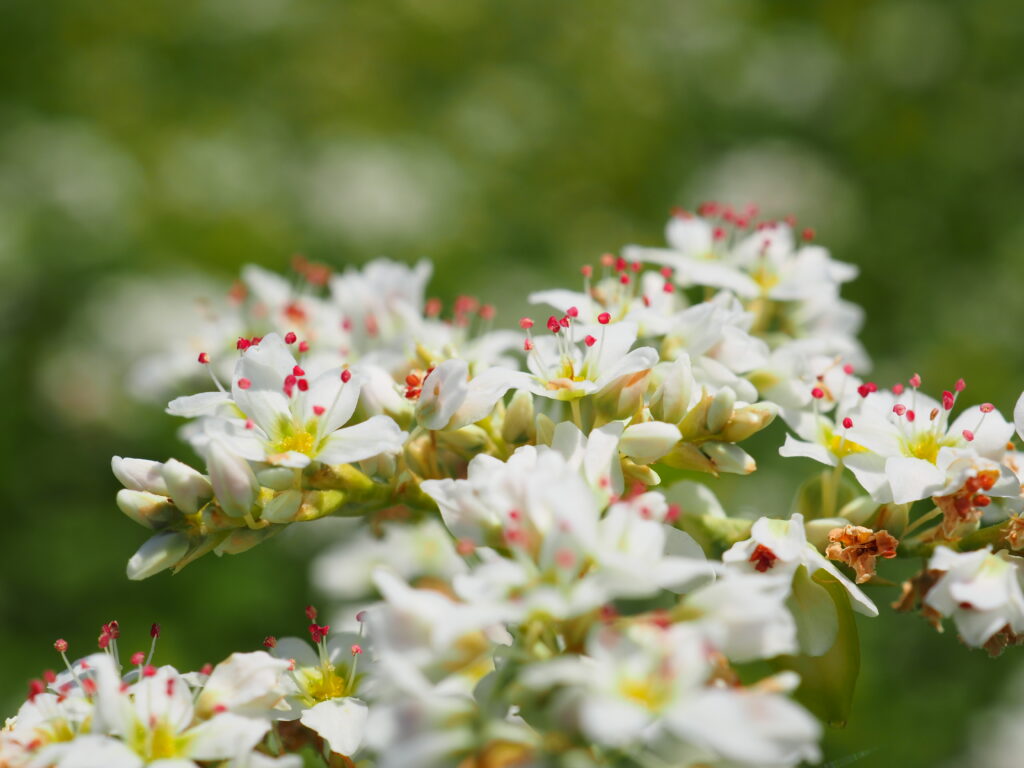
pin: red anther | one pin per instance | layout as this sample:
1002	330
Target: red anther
303	385
572	312
666	272
661	619
624	279
897	389
589	340
988	479
525	323
357	649
137	658
204	358
986	407
911	415
607	613
586	270
242	344
220	709
790	220
270	641
847	422
35	687
763	558
154	630
807	234
848	369
432	308
311	613
49	676
103	642
708	208
88	686
719	233
607	260
817	393
487	312
972	484
61	645
290	337
933	414
290	379
413	380
113	629
960	385
319	410
981	500
899	409
465	547
647	301
361	616
514	514
673	513
256	340
635	266
206	669
318	633
915	380
303	346
170	686
244	383
947	400
553	325
667	287
148	671
604	318
863	390
620	264
968	435
872	386
564	322
297	370
346	376
527	345
250	424
678	212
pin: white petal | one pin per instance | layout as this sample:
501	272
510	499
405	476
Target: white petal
225	736
912	479
341	722
376	435
202	404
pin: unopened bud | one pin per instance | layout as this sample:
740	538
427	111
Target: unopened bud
146	508
728	457
720	410
139	475
647	442
518	425
158	553
233	480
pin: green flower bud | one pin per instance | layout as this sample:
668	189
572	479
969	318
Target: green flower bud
671	399
158	553
243	539
545	431
622	397
518	425
747	421
283	508
188	488
146	508
720	410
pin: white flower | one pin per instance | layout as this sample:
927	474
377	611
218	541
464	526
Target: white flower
779	547
290	420
450	399
982	592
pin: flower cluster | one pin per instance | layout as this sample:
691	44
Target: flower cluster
541	575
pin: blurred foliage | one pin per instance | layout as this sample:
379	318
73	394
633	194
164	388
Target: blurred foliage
509	142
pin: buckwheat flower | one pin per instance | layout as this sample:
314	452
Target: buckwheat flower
779	548
908	441
572	363
251	684
290	420
448	398
325	680
982	592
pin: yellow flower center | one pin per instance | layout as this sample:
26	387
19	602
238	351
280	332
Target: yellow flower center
301	441
323	684
925	446
647	692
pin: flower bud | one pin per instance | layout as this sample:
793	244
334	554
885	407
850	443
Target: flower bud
139	475
545	431
647	442
518	425
747	421
188	488
728	457
689	456
623	397
720	410
233	480
276	478
158	553
283	507
467	441
671	400
242	539
145	508
859	510
638	473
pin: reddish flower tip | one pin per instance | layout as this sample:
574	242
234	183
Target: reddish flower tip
61	646
915	380
311	613
807	234
960	385
817	393
319	410
589	340
270	641
986	407
525	323
290	338
361	616
137	658
148	671
204	358
154	631
572	312
586	270
357	649
346	376
244	383
604	318
848	369
303	346
847	422
968	435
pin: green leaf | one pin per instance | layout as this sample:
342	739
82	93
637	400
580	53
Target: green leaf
827	682
817	622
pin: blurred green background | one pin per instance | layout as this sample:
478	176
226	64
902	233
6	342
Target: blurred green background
145	143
